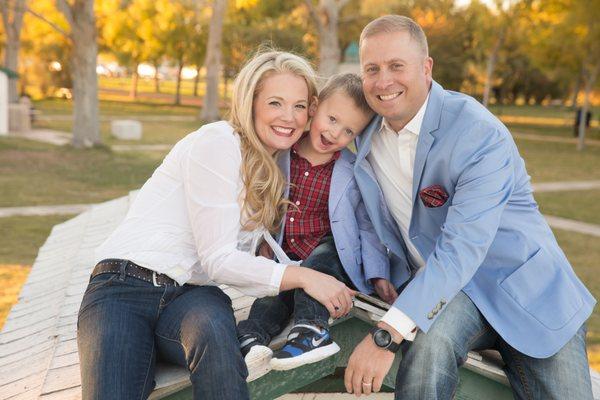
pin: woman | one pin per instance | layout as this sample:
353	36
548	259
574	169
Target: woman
196	224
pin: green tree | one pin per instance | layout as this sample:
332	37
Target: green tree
180	24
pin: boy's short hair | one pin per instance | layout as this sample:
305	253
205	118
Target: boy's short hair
351	85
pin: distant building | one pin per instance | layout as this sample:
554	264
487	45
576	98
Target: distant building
350	61
5	75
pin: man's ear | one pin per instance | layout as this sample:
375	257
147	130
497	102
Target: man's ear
312	108
428	65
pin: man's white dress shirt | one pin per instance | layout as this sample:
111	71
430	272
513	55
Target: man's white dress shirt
186	220
392	156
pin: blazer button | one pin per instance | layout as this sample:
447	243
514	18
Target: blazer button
430	315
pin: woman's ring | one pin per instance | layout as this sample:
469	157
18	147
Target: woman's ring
366	383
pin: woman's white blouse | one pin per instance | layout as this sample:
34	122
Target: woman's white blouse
186	220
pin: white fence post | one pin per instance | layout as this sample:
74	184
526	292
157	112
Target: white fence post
3	104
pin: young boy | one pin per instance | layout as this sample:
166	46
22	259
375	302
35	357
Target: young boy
327	226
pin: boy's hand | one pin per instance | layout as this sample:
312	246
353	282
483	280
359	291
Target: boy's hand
385	290
265	250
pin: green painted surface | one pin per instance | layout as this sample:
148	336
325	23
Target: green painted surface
473	386
327	376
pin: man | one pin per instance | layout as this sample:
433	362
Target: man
479	266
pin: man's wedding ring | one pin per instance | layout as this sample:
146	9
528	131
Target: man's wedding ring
366	383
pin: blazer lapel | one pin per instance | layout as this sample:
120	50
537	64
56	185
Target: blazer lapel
431	123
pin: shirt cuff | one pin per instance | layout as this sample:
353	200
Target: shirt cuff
401	322
276	278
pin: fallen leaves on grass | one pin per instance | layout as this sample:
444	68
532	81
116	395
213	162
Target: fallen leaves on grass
12	277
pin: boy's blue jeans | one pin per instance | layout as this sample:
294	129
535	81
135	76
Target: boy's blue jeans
125	324
270	315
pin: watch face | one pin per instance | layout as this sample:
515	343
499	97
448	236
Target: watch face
382	338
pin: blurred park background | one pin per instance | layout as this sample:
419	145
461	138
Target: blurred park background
77	67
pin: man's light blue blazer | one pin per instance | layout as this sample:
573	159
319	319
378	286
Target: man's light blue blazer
489	238
361	253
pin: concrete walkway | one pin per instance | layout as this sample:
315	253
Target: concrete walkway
65	209
49	136
573	226
146	118
141	147
565	186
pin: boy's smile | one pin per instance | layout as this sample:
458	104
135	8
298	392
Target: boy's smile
337	121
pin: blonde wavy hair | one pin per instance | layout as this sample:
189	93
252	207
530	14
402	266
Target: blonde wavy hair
263	180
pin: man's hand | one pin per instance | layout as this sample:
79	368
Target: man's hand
265	250
367	367
385	290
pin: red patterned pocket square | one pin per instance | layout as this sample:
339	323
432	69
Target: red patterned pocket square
433	196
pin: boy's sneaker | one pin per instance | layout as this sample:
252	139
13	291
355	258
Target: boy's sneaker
256	356
306	344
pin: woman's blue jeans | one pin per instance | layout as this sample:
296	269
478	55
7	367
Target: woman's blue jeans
125	324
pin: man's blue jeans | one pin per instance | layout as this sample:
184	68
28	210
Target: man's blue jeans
125	324
429	366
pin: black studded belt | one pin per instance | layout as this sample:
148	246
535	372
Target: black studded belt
113	265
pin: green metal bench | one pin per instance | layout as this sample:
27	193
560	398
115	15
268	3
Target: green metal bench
481	377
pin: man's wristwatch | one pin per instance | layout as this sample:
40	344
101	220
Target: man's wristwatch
383	339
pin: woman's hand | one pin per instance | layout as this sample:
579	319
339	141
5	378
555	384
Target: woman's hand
327	290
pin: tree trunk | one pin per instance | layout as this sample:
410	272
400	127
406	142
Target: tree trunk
577	89
326	18
491	66
210	106
178	86
225	81
81	17
134	83
13	21
196	81
589	85
156	79
329	47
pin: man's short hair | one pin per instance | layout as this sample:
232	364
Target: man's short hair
396	23
350	85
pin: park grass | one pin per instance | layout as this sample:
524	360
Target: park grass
153	132
583	253
54	106
23	236
551	130
539	111
548	161
167	87
33	173
581	205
